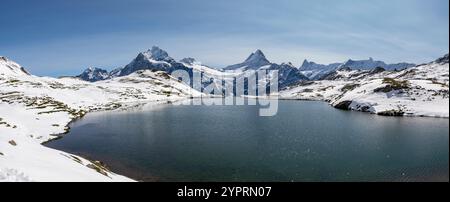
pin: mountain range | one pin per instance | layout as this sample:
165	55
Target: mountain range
316	71
157	59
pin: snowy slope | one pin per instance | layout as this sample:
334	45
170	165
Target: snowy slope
419	91
34	110
10	68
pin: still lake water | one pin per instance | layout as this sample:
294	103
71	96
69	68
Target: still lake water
305	141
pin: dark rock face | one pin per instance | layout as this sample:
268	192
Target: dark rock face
443	60
391	113
392	84
288	74
152	59
349	87
385	89
94	74
316	71
155	59
331	76
344	105
24	70
377	70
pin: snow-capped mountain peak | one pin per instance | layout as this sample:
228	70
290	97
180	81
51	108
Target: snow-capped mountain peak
156	53
306	63
93	74
255	61
154	58
257	57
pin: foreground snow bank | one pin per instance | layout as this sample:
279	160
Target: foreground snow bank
34	110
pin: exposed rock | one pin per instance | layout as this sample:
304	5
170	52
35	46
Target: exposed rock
392	85
391	113
12	142
93	74
345	105
443	60
377	70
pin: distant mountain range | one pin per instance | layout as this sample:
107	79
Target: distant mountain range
157	59
316	71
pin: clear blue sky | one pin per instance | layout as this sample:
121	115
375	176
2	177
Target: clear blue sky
63	37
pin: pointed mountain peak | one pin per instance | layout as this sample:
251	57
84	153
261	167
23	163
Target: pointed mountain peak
258	55
305	61
157	54
256	60
259	52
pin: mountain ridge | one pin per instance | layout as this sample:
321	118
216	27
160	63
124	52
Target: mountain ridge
254	61
9	67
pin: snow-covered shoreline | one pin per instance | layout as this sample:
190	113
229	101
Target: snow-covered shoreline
421	91
34	110
14	174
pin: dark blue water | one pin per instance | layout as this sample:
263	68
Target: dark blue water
305	141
